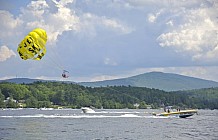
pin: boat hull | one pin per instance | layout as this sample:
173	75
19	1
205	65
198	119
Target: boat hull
185	115
87	110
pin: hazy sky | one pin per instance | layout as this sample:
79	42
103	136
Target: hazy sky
107	39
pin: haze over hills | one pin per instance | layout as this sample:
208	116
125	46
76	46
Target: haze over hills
28	80
21	80
157	80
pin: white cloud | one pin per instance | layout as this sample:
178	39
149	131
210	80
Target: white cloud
197	36
55	22
9	28
170	22
90	24
203	72
37	14
153	17
109	61
5	53
63	2
167	3
116	25
37	8
8	21
64	19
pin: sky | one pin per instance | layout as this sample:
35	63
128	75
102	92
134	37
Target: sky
108	39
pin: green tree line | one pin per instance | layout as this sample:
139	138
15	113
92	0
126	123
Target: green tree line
53	94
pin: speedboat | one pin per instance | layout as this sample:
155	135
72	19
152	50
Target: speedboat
87	110
180	114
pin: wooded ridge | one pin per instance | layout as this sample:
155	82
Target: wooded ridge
54	94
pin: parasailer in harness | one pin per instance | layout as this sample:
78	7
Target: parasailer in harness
65	74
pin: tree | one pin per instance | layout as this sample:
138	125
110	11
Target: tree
42	104
142	105
32	102
41	94
2	97
11	103
58	98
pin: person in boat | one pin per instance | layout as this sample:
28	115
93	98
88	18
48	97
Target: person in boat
165	109
178	109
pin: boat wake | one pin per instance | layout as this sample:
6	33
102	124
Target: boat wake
74	116
107	112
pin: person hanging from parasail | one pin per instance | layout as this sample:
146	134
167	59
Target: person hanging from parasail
65	74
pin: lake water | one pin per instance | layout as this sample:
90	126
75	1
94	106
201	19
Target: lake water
72	124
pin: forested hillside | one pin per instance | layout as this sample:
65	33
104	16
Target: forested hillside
53	94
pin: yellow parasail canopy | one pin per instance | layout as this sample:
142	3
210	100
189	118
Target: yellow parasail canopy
33	45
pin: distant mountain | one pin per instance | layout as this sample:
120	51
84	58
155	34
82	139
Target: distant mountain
158	80
28	81
21	80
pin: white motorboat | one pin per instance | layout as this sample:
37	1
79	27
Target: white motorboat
87	110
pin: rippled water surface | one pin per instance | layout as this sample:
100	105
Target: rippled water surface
69	124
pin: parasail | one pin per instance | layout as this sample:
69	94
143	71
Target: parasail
33	45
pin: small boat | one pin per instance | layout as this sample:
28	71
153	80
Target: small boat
87	110
180	114
44	108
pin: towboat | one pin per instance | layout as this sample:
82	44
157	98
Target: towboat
87	110
180	114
